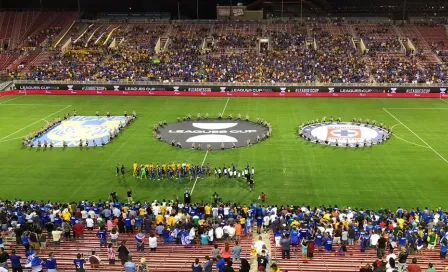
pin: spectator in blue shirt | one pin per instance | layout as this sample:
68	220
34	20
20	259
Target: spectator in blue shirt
102	235
107	212
220	263
128	225
129	266
26	241
15	261
50	263
79	263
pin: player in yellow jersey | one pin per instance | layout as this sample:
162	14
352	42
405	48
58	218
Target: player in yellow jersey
134	166
151	166
173	166
188	166
164	168
178	165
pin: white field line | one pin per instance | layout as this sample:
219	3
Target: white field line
392	127
396	136
443	100
11	104
12	139
206	153
225	106
423	141
416	108
197	177
3	102
1	139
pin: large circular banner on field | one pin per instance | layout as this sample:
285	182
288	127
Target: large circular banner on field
212	133
345	134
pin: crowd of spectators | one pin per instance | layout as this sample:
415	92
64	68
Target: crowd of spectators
379	38
394	234
233	58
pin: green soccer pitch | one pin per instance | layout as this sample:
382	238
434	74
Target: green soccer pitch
408	170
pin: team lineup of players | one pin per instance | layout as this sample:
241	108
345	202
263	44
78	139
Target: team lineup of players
186	171
183	170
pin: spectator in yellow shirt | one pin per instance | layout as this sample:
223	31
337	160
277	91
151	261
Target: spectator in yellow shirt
159	219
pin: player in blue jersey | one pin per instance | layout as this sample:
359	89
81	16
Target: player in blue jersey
159	173
152	173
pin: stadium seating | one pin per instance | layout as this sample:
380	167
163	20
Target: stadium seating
309	50
352	260
168	257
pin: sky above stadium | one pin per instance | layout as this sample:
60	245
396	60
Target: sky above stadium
206	8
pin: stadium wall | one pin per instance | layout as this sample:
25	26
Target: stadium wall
226	89
220	94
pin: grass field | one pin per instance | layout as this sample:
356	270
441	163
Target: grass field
408	170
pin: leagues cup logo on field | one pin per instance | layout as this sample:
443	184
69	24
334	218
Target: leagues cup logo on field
176	88
223	89
116	87
70	87
282	89
394	90
213	132
331	90
442	90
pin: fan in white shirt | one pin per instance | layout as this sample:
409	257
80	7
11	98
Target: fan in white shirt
259	245
374	239
231	232
169	209
215	211
391	255
92	214
225	229
116	212
210	234
219	232
84	214
89	223
152	241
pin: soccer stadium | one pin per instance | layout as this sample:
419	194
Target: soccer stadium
220	135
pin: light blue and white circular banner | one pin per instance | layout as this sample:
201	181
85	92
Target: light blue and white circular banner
344	134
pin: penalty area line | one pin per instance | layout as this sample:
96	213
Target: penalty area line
423	141
1	139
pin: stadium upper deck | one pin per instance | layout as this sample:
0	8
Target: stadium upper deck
44	46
